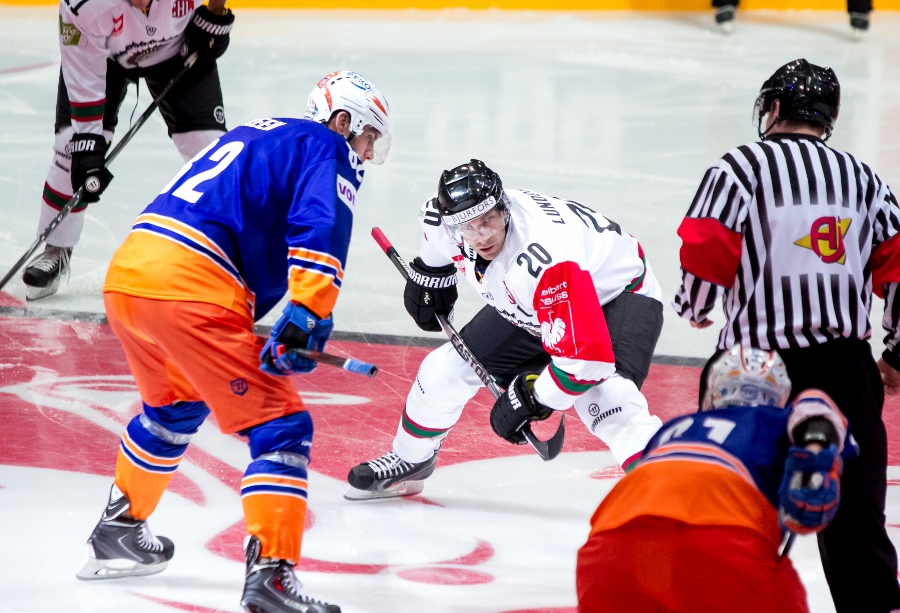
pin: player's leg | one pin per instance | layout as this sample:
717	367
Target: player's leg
43	274
193	111
444	384
859	16
615	411
150	451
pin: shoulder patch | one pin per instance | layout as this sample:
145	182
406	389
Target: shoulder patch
68	33
346	192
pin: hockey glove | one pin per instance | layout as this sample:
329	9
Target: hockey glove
810	491
516	407
429	292
208	34
297	328
88	155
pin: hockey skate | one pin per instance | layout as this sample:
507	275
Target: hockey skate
388	477
271	586
859	24
43	274
121	546
725	18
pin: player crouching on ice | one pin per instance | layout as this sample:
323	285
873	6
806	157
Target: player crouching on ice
573	316
264	210
696	526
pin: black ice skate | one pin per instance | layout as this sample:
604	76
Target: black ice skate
725	18
42	275
272	587
859	24
122	546
388	477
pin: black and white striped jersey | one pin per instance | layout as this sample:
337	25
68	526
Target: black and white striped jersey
794	235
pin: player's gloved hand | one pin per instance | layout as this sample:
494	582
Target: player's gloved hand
208	34
810	491
297	328
516	407
430	291
88	154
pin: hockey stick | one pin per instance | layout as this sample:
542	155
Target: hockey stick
548	449
787	545
76	198
348	364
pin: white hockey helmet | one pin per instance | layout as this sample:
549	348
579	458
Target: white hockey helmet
351	92
746	376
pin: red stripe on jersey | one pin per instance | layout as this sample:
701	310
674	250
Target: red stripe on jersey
885	263
572	322
709	250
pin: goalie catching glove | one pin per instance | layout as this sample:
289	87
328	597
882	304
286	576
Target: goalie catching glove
297	329
516	407
811	489
430	291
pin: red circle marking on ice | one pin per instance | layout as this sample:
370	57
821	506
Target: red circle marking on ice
444	576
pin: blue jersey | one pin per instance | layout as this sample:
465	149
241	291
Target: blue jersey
266	208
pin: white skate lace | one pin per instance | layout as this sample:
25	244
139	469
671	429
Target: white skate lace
51	258
389	465
147	541
293	586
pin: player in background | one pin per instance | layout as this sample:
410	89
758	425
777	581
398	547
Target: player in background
104	45
803	234
858	9
697	525
267	208
573	316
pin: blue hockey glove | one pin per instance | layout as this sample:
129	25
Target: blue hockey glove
297	328
810	491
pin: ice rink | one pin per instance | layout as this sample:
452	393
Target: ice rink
622	111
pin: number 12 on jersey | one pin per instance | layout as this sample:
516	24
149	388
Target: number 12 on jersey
224	155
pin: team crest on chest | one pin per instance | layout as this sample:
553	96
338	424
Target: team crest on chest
826	239
118	25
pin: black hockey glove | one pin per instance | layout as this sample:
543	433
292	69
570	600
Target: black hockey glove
429	292
208	34
516	407
88	154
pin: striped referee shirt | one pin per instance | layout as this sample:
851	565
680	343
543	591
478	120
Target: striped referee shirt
794	235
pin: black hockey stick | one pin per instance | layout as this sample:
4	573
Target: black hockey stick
76	198
787	545
348	364
548	449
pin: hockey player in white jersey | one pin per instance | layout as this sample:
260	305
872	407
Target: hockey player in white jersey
104	45
574	313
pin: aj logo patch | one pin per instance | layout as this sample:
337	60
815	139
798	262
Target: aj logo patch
826	239
239	387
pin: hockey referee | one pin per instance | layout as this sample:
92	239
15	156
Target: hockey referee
796	235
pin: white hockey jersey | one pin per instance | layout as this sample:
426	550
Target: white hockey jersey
92	31
561	261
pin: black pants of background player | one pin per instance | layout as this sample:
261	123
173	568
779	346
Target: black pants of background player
853	6
194	103
858	557
505	350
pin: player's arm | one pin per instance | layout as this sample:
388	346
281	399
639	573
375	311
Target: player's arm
711	244
83	52
320	221
809	494
885	265
431	288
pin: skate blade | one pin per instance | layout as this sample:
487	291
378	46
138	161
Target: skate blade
36	293
726	27
404	488
95	569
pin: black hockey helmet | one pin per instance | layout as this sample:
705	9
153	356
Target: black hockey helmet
469	191
806	92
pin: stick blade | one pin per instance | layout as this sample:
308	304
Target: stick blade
549	449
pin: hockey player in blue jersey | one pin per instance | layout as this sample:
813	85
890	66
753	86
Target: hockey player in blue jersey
696	526
265	209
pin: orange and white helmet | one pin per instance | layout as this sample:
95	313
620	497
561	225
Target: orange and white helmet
351	92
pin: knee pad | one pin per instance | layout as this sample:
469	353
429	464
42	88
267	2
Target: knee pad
190	144
282	439
156	439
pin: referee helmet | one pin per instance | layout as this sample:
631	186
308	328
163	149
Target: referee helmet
806	93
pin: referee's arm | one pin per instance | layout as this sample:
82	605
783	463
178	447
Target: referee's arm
885	266
711	245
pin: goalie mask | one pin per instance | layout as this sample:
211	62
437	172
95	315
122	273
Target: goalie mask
471	202
746	377
351	92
